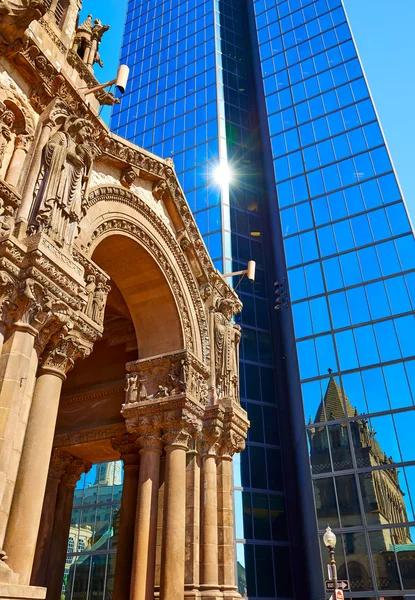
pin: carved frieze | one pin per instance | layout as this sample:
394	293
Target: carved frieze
165	376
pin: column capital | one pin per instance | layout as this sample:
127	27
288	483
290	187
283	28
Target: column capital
179	428
127	447
74	470
209	442
231	443
28	305
58	463
152	443
149	433
61	353
23	142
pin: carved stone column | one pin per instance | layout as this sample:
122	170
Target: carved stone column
173	557
144	558
209	584
227	579
24	520
58	463
16	362
61	526
14	169
129	454
192	578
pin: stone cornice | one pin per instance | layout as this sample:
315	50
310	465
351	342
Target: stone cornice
94	394
64	440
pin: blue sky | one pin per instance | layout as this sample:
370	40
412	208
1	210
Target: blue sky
383	30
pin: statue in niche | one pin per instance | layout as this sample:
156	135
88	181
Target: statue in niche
227	338
6	126
135	389
98	303
66	164
90	289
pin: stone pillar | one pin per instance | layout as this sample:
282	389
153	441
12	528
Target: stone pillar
128	450
192	579
61	526
86	52
58	463
25	515
226	532
173	556
18	363
209	523
92	53
15	167
27	196
160	525
144	558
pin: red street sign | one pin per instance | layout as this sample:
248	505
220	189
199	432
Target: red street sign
339	595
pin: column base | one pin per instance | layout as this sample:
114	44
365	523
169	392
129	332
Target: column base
210	593
7	576
21	592
191	593
230	593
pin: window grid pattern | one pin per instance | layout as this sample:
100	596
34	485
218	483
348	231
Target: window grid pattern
349	252
93	535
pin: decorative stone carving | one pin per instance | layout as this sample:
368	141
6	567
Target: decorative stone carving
6	124
227	338
127	447
135	389
75	469
62	356
159	189
30	304
231	443
99	301
15	16
60	190
58	463
167	375
128	177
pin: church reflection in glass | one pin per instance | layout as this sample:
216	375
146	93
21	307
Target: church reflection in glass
376	495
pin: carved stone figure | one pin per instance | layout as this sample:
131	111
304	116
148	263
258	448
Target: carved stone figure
98	303
159	189
90	289
135	389
227	338
66	164
128	177
15	16
6	125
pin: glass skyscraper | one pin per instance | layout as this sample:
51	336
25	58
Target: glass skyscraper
266	112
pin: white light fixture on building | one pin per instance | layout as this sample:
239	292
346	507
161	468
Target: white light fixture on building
120	82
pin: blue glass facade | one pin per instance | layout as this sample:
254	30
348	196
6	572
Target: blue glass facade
274	92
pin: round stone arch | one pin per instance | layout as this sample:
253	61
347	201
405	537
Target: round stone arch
116	211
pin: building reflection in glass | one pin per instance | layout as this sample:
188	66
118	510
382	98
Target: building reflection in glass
93	535
366	491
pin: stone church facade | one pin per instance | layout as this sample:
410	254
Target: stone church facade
116	333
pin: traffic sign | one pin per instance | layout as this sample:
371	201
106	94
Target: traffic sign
342	584
339	595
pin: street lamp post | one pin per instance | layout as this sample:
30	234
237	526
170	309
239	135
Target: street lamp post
329	540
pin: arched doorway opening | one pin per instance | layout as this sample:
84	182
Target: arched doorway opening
141	320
